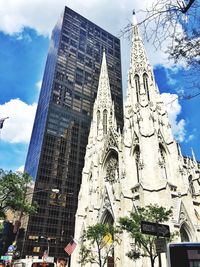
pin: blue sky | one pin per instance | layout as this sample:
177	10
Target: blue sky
24	38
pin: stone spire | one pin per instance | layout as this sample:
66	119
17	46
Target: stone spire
103	110
139	60
103	94
140	76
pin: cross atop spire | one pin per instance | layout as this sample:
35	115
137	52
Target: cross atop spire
134	20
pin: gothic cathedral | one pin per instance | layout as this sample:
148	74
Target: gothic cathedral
136	167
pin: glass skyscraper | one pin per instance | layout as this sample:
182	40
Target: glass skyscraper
60	133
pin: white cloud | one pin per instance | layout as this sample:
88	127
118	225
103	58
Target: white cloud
112	15
20	169
190	137
174	109
39	84
17	128
37	14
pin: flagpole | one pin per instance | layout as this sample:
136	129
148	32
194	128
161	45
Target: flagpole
69	262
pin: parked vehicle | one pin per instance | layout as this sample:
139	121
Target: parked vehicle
34	262
183	254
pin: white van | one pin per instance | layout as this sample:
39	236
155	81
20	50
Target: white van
34	262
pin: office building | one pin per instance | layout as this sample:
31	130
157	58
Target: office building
60	133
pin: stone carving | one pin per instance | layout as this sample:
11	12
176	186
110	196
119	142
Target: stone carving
141	164
182	217
181	170
112	170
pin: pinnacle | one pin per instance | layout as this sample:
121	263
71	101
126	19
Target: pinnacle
134	18
104	84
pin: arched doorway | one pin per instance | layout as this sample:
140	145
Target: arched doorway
107	218
184	233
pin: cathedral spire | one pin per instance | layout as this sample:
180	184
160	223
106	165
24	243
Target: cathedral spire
141	84
103	93
103	111
139	60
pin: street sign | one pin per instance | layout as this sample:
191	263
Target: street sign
157	229
6	258
161	245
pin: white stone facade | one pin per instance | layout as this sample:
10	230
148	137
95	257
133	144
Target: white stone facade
139	166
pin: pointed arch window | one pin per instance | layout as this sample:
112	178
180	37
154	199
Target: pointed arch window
146	85
112	168
98	119
191	186
162	161
105	115
137	86
137	161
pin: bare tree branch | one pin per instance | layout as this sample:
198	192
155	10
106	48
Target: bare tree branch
176	24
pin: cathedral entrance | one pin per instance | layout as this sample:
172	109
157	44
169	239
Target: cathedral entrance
111	261
184	235
108	219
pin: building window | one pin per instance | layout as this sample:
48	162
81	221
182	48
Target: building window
98	119
112	168
191	186
105	112
36	249
137	161
162	161
146	86
137	86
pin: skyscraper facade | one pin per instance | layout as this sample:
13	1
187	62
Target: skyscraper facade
60	133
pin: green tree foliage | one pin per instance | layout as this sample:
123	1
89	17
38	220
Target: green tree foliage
14	189
144	244
97	244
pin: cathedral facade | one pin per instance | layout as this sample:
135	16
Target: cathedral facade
142	164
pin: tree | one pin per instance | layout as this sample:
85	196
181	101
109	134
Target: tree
97	244
14	191
14	188
144	244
